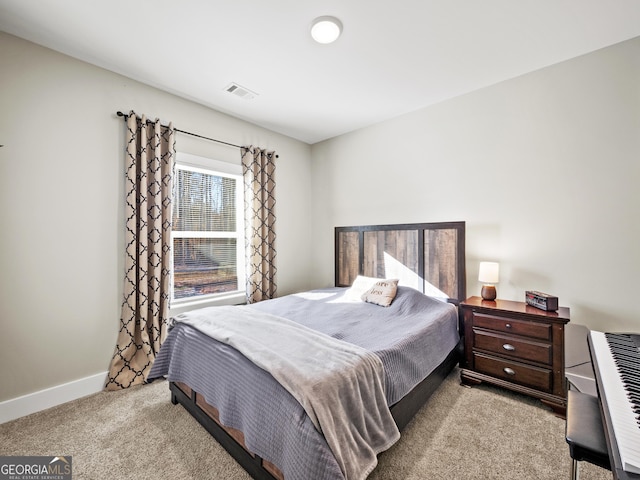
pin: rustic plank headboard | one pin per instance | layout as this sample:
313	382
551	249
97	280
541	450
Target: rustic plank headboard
429	257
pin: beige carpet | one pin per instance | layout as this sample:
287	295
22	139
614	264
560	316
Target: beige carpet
462	433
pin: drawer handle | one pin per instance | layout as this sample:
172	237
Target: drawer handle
509	347
508	325
509	371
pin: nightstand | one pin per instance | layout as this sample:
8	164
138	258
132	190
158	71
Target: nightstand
516	346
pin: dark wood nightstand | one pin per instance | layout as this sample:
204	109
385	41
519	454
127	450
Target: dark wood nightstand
515	346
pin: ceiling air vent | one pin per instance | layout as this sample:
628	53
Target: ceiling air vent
240	91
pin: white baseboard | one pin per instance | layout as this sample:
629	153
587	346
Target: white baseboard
50	397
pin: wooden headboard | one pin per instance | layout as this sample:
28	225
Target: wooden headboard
429	257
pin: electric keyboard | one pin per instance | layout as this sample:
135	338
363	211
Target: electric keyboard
616	363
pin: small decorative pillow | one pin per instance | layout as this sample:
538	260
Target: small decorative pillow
382	292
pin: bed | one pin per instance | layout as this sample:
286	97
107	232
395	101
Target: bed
258	421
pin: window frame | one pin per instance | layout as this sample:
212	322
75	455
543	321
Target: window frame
209	166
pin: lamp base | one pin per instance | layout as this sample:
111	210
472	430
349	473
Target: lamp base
488	292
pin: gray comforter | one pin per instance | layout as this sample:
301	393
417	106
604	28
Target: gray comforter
339	385
411	337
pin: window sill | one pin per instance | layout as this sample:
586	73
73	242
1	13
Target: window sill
182	306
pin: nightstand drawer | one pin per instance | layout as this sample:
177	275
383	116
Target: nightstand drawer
516	327
513	347
538	378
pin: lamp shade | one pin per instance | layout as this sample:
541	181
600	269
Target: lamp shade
489	272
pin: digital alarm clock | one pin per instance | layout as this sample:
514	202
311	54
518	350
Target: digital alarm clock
540	300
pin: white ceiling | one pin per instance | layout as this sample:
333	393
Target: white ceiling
392	58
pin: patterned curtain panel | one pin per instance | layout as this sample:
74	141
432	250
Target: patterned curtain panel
259	185
149	181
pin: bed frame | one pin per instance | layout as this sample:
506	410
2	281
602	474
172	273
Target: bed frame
427	256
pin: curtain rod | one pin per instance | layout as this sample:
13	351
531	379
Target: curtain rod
120	114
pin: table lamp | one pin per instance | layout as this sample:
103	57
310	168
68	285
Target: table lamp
488	275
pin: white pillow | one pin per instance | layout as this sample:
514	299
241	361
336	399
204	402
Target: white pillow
360	285
381	293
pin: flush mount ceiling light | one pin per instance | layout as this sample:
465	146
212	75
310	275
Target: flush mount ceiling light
326	29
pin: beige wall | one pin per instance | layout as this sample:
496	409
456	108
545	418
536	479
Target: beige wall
61	190
544	169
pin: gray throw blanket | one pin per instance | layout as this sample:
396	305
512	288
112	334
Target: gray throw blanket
339	385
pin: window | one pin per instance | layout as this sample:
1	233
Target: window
208	229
